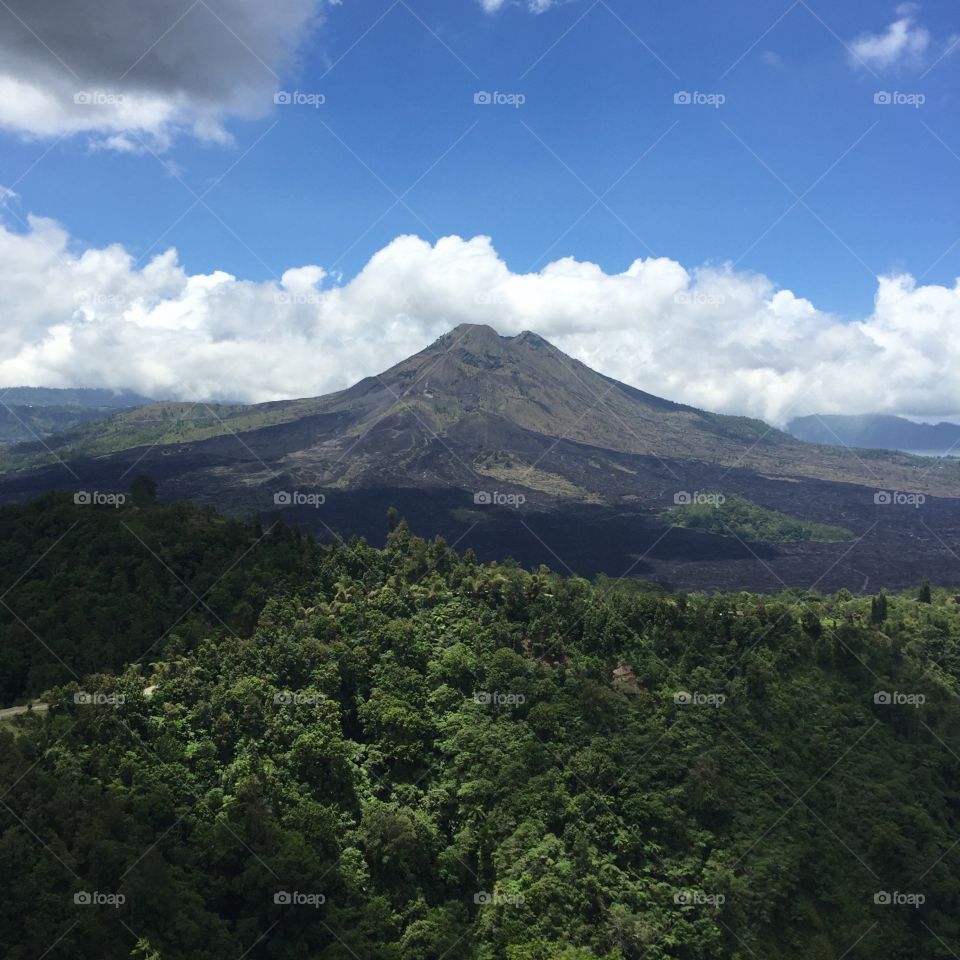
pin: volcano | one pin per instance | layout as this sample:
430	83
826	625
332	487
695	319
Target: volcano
508	445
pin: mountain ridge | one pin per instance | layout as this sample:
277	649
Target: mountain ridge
878	432
475	420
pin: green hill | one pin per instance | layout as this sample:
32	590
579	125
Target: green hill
420	757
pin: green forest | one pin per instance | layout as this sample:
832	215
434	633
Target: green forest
731	516
405	754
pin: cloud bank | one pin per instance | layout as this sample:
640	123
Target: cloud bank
711	336
124	72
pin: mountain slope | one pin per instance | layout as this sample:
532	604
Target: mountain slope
477	422
470	395
451	760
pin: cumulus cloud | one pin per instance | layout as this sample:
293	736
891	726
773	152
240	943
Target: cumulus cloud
711	336
122	71
904	42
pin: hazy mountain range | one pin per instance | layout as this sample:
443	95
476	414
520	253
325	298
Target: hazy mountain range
28	413
878	431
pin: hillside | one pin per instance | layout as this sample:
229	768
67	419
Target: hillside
472	388
476	421
422	757
87	588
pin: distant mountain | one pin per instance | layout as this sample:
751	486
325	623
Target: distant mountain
509	445
879	432
87	397
33	413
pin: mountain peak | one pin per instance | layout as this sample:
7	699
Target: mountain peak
471	335
483	336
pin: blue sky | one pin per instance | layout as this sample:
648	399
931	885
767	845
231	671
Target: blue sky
769	192
599	81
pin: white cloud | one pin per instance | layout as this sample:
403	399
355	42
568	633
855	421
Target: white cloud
125	73
904	42
534	6
710	336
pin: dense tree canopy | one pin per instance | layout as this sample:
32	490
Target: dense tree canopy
87	587
416	757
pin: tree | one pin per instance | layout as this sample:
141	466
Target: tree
878	608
